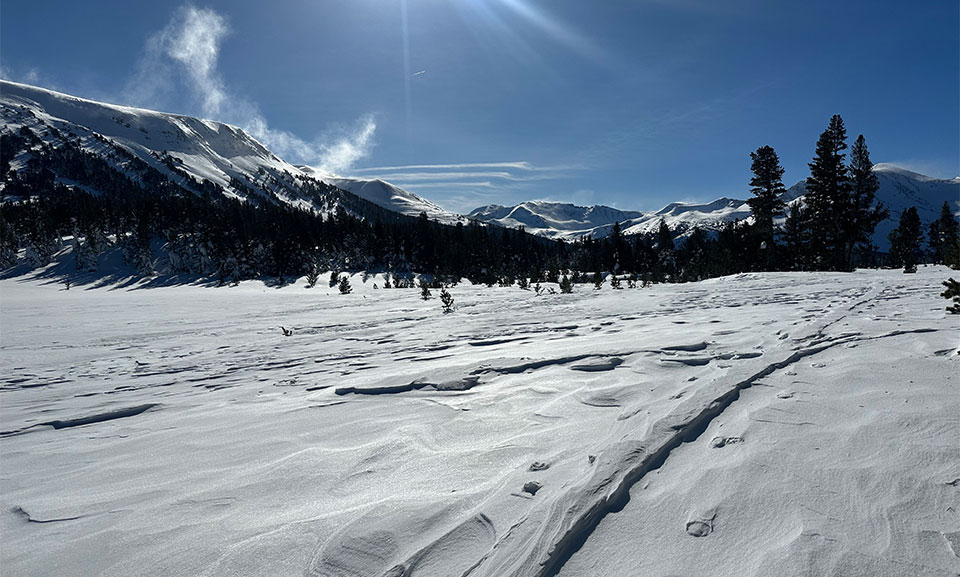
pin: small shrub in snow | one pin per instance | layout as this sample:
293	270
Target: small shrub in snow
424	289
344	285
566	286
313	275
446	300
952	292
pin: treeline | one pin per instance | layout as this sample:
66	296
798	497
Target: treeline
173	223
833	227
187	226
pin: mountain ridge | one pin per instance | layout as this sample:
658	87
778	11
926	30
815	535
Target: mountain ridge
195	152
900	189
183	148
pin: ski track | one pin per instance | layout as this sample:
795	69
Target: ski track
404	389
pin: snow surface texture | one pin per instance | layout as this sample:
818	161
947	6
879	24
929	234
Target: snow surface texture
899	190
758	424
204	149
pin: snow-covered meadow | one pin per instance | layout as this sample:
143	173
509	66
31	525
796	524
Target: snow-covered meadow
760	424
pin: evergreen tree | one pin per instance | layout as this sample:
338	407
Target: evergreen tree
952	292
41	236
617	248
944	238
615	282
84	257
597	280
767	186
863	216
566	286
424	289
334	278
344	285
446	300
8	243
692	255
828	197
905	241
666	251
796	237
313	275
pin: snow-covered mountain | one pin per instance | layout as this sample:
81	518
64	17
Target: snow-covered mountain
570	222
899	190
553	219
190	151
387	195
197	153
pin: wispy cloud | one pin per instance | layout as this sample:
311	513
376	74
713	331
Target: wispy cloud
936	168
521	165
185	55
463	174
434	176
462	186
29	76
450	184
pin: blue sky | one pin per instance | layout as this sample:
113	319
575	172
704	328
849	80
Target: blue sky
633	103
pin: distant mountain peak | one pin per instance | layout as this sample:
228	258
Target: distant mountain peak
899	189
554	219
894	169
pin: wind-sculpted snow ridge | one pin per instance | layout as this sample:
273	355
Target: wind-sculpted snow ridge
88	420
719	421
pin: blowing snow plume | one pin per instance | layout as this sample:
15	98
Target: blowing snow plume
185	55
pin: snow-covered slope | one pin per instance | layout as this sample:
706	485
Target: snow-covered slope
204	150
387	195
899	190
181	147
554	219
683	216
178	432
570	222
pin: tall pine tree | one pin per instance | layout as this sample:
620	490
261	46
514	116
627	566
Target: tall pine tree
767	186
796	237
905	241
945	238
666	266
828	197
863	215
